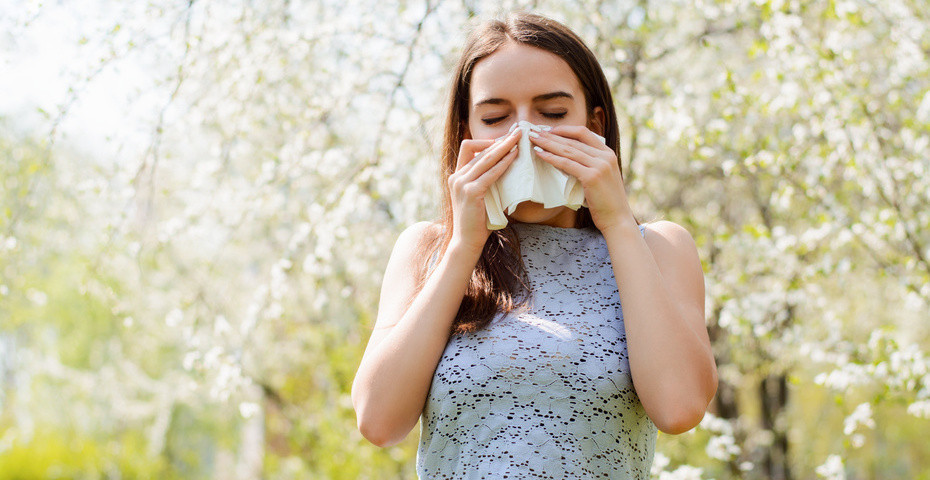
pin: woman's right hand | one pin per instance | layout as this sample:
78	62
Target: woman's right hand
480	164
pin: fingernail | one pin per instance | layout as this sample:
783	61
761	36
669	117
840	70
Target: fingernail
533	134
512	149
545	127
513	127
536	147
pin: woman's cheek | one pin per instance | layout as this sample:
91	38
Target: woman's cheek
491	133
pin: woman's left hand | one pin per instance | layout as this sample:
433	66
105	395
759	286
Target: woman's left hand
579	152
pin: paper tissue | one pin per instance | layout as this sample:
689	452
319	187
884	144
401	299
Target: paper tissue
530	178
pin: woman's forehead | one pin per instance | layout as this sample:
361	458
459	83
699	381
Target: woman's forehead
516	70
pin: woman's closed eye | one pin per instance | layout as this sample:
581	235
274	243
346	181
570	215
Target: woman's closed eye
492	121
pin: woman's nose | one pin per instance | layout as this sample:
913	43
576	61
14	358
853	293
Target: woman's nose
522	114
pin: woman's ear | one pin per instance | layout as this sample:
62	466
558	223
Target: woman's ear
596	121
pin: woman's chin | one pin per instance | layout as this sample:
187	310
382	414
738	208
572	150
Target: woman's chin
532	212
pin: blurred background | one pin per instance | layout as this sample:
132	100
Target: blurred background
199	199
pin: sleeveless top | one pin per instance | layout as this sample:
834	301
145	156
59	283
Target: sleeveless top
543	393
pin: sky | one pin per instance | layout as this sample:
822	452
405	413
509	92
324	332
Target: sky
48	48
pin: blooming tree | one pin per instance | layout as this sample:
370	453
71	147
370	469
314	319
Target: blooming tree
207	281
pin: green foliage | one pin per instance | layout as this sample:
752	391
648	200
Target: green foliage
62	454
206	298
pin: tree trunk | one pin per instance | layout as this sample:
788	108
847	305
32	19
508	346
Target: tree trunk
773	391
725	404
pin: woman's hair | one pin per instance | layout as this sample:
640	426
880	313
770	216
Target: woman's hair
499	278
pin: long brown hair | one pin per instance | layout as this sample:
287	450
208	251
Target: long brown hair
499	279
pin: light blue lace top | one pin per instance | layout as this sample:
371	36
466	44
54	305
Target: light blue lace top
544	393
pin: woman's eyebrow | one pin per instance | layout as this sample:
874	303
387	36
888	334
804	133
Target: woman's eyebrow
537	98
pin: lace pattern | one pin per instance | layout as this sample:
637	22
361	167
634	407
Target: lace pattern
544	393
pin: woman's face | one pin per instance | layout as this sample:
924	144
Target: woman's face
520	82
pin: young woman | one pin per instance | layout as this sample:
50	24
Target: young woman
511	344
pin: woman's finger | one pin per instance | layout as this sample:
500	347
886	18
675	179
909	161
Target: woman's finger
548	140
565	164
581	134
563	148
468	151
495	172
487	158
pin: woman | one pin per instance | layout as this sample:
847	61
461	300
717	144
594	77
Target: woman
511	344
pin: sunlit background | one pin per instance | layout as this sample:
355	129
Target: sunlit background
199	199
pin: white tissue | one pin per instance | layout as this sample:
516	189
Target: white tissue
530	178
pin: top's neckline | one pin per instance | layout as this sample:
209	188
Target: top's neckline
543	229
552	230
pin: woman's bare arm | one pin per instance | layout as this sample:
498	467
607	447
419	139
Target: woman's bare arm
394	376
662	292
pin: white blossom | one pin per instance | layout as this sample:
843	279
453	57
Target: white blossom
832	469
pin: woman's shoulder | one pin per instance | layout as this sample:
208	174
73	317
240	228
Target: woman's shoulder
668	231
423	230
672	246
421	237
